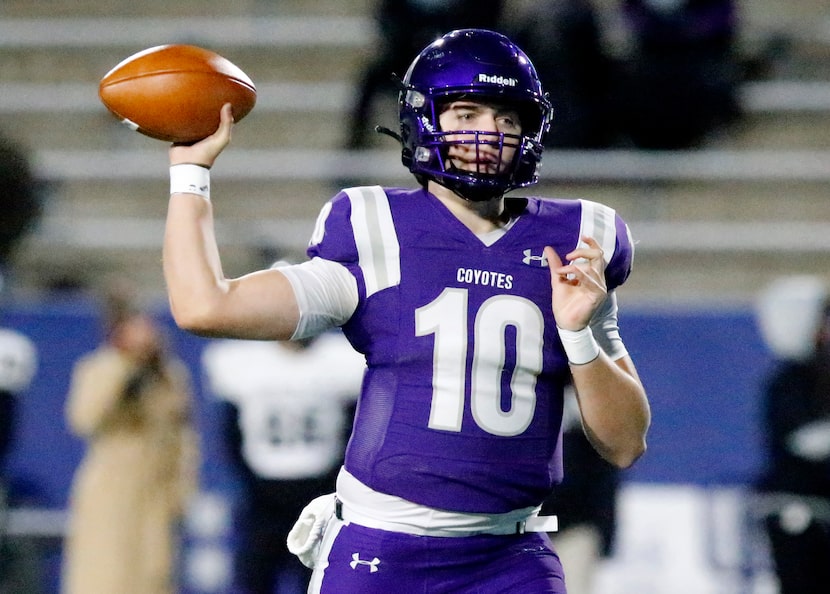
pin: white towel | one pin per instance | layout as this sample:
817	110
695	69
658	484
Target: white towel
307	533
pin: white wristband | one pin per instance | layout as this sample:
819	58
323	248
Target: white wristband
580	345
188	178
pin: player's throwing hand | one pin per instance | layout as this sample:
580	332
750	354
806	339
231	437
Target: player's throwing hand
206	151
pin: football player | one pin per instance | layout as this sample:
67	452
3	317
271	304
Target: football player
473	309
287	410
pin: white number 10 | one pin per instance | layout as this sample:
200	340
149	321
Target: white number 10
446	318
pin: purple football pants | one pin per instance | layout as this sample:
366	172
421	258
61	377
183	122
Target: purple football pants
360	560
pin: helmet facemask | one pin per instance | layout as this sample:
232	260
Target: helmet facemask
427	149
502	161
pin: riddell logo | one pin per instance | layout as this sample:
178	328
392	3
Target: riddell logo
497	80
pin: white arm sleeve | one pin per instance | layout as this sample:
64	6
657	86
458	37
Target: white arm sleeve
326	294
606	329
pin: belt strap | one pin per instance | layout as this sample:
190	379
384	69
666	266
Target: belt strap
531	524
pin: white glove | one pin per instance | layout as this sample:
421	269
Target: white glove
305	537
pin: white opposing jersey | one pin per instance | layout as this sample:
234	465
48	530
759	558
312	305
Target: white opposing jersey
292	402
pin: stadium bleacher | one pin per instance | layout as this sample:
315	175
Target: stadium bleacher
713	223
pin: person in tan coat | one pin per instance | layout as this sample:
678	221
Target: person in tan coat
131	402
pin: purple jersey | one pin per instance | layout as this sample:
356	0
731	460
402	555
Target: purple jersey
461	405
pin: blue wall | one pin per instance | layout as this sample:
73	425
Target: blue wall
703	370
45	454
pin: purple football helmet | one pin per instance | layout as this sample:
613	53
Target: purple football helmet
478	65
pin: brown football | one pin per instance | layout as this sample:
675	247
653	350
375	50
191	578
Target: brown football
174	92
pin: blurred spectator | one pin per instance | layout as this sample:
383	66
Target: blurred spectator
131	401
683	73
406	27
794	317
585	504
287	410
18	364
20	205
674	87
564	40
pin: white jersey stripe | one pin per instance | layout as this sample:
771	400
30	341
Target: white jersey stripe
374	234
599	222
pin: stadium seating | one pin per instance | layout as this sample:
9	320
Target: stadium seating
714	223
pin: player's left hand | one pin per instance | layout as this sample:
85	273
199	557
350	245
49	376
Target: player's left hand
579	286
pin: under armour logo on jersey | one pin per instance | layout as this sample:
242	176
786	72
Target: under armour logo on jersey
529	258
356	560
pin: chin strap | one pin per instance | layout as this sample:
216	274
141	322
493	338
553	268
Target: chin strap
401	87
389	132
